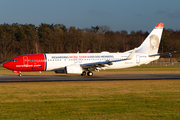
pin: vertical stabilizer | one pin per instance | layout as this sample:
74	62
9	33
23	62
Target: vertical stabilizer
151	43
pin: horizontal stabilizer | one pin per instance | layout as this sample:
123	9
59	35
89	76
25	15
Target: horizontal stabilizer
163	54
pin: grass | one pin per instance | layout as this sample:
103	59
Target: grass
145	99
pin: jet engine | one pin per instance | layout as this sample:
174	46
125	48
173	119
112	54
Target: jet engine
73	69
59	71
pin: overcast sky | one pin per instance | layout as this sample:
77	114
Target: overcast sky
117	14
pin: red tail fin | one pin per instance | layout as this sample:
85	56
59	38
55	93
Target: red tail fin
160	25
89	51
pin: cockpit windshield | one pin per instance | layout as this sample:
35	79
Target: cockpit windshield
13	60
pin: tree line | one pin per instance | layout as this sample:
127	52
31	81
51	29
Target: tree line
16	39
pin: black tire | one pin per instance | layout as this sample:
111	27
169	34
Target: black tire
83	73
20	75
90	73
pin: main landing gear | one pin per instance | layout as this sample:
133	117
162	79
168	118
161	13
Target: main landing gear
89	73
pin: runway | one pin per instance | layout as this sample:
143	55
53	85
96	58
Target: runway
51	78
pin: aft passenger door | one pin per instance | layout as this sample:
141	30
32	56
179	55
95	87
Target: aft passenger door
137	59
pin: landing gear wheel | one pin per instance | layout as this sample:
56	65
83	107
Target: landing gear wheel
20	75
83	73
90	73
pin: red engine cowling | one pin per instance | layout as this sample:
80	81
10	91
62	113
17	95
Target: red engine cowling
73	69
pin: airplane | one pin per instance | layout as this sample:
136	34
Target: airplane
84	63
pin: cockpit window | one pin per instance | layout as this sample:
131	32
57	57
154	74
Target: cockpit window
13	60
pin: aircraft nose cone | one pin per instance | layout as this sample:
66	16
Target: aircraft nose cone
5	65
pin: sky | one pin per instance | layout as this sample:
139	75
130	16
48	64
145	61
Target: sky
129	15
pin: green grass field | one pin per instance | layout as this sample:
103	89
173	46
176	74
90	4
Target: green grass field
135	99
145	99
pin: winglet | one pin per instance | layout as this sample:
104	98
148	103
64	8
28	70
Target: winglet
131	55
89	51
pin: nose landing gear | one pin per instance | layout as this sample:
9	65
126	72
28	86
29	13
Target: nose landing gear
20	74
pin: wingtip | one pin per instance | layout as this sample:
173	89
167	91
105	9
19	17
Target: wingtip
160	25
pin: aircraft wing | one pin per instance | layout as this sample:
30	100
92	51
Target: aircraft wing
94	65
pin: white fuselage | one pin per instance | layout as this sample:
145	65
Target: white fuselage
59	61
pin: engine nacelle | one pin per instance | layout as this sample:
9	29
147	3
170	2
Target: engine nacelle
59	71
73	69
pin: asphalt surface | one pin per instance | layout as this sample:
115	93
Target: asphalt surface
51	78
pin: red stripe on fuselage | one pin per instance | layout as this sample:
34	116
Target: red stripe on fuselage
29	62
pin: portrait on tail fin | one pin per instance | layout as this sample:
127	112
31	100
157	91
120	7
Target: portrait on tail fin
154	44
